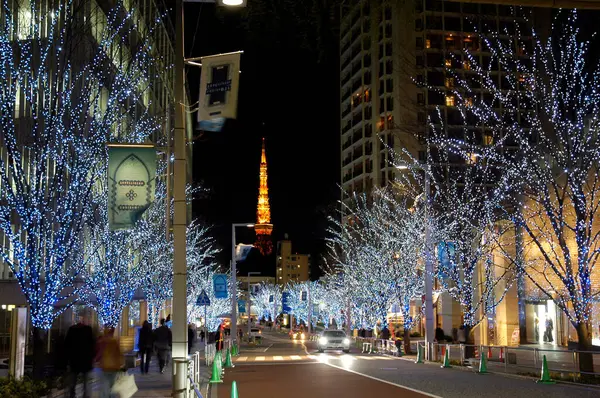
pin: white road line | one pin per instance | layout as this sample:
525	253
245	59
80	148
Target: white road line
278	358
375	378
265	350
296	357
242	359
312	356
259	358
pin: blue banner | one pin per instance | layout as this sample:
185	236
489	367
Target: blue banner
285	297
446	253
241	306
220	285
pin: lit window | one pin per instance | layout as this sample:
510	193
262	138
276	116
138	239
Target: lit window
427	43
449	83
468	101
488	139
449	100
448	63
473	158
467	65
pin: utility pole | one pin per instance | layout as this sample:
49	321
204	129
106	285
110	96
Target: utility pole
179	308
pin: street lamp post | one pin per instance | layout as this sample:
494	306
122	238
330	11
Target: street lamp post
429	332
250	302
234	280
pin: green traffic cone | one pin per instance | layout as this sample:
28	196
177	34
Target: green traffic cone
234	393
234	350
545	377
419	354
228	363
483	364
216	373
446	363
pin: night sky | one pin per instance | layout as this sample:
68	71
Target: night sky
289	94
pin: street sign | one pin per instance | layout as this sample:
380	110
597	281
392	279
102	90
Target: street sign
220	285
203	299
270	298
285	297
242	306
304	295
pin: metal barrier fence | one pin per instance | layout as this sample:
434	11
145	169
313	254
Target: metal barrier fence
194	374
509	359
370	345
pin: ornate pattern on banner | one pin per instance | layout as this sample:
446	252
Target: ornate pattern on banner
131	183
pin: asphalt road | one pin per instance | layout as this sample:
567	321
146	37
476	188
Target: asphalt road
293	369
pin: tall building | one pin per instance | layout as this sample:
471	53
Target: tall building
291	267
263	226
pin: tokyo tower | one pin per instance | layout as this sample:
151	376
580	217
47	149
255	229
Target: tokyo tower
263	226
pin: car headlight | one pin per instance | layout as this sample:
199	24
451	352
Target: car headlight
346	341
294	335
302	336
323	340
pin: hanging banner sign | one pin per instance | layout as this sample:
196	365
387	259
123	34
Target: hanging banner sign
219	83
220	285
131	183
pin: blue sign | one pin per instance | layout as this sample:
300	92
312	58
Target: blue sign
304	295
220	285
270	298
285	297
203	299
241	306
446	253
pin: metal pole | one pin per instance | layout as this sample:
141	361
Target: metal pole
249	307
429	333
309	310
233	287
205	331
179	308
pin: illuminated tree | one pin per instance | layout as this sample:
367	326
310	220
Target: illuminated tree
267	300
548	151
64	96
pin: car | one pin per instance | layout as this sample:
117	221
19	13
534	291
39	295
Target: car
333	340
255	332
297	335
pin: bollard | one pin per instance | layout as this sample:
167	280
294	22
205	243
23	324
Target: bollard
545	376
234	393
216	373
228	363
420	350
446	363
483	364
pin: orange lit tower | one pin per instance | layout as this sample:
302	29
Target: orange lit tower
263	226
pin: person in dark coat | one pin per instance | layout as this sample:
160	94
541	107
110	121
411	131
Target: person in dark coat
162	342
145	345
80	350
191	337
220	336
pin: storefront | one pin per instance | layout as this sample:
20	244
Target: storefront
543	326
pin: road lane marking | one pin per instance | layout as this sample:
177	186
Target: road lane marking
242	359
375	378
296	357
278	358
265	350
259	358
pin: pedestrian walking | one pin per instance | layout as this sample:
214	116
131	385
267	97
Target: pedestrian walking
80	350
202	335
162	343
110	359
191	338
145	345
240	334
219	338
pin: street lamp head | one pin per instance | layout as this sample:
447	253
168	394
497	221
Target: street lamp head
401	166
232	3
250	225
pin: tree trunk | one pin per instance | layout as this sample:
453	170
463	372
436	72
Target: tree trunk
407	341
584	336
469	349
39	352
